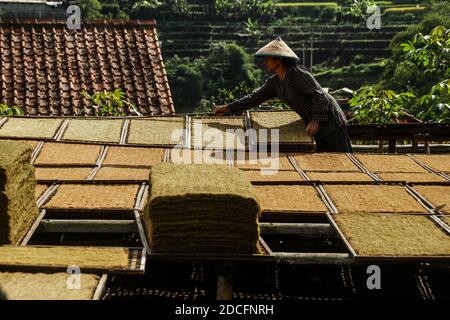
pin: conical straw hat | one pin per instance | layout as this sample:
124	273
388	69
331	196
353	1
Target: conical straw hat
277	49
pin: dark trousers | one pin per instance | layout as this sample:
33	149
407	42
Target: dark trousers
336	141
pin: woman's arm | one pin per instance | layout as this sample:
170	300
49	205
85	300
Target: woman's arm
305	82
264	93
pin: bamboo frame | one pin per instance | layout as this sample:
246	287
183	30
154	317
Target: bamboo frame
313	258
3	120
296	228
60	132
100	287
421	199
36	151
187	139
33	229
347	244
124	133
46	195
297	167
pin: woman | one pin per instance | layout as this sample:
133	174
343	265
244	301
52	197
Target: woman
296	86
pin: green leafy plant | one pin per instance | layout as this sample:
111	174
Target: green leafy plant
147	4
431	52
252	28
370	105
110	103
436	104
247	8
225	96
6	110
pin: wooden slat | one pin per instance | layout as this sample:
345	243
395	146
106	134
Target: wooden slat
313	258
296	228
87	226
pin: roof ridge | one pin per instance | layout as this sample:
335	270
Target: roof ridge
103	22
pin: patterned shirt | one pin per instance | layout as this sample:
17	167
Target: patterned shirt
301	92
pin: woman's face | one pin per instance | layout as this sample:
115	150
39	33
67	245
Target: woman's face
272	64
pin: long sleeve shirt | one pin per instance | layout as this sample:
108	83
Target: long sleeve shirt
301	92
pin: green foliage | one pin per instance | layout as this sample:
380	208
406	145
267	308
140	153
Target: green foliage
252	28
358	8
147	5
436	104
277	104
226	66
225	96
6	110
246	8
186	82
352	76
370	105
430	52
439	14
90	9
194	82
109	103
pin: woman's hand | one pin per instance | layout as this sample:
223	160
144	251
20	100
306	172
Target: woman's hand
312	127
220	110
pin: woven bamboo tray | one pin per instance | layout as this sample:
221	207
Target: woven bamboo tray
157	131
68	154
105	130
437	162
89	259
133	174
93	197
208	156
260	161
133	156
410	177
47	286
325	162
338	176
373	198
272	175
62	174
290	198
291	127
384	235
217	133
437	195
23	127
389	163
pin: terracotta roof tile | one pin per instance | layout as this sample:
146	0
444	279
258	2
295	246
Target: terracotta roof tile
44	66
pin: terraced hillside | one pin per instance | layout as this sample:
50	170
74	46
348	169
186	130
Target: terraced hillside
326	35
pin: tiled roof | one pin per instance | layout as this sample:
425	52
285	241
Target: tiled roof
44	66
